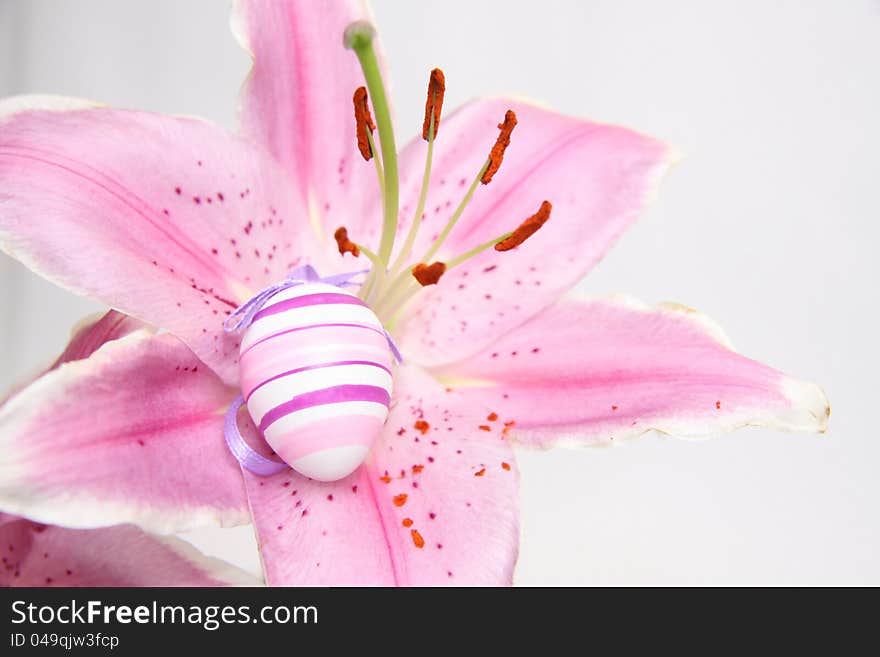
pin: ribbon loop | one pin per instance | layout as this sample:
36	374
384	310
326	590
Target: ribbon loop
247	456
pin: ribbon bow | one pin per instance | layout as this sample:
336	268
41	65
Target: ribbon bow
243	316
245	313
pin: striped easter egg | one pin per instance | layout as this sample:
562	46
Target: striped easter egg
316	376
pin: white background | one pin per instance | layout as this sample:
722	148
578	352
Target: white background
770	225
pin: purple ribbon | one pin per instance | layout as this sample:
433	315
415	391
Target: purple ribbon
245	313
244	453
243	316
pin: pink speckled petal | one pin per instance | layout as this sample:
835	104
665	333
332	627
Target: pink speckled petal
597	177
171	220
133	433
298	103
124	555
589	372
455	482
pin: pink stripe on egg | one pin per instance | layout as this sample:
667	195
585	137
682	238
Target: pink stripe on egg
343	393
312	327
346	431
308	300
316	367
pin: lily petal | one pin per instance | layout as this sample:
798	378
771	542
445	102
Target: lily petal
590	372
598	178
86	337
94	332
434	505
297	101
131	434
41	555
171	220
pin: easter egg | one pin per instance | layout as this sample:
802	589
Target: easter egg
315	369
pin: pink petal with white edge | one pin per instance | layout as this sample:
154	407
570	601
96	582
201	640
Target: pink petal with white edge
93	332
437	507
86	337
134	433
172	220
297	102
598	178
41	555
589	372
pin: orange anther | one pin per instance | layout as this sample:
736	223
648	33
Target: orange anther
526	229
345	245
434	103
428	274
363	121
501	144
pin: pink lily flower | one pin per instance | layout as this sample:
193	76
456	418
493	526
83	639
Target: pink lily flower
176	222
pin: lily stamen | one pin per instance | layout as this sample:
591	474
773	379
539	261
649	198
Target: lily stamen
345	245
526	229
434	104
400	294
363	122
399	290
428	274
496	155
488	170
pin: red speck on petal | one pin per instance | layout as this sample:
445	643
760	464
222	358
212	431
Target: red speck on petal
399	500
417	469
480	473
407	522
505	465
718	404
492	417
421	426
613	408
485	427
417	539
385	478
